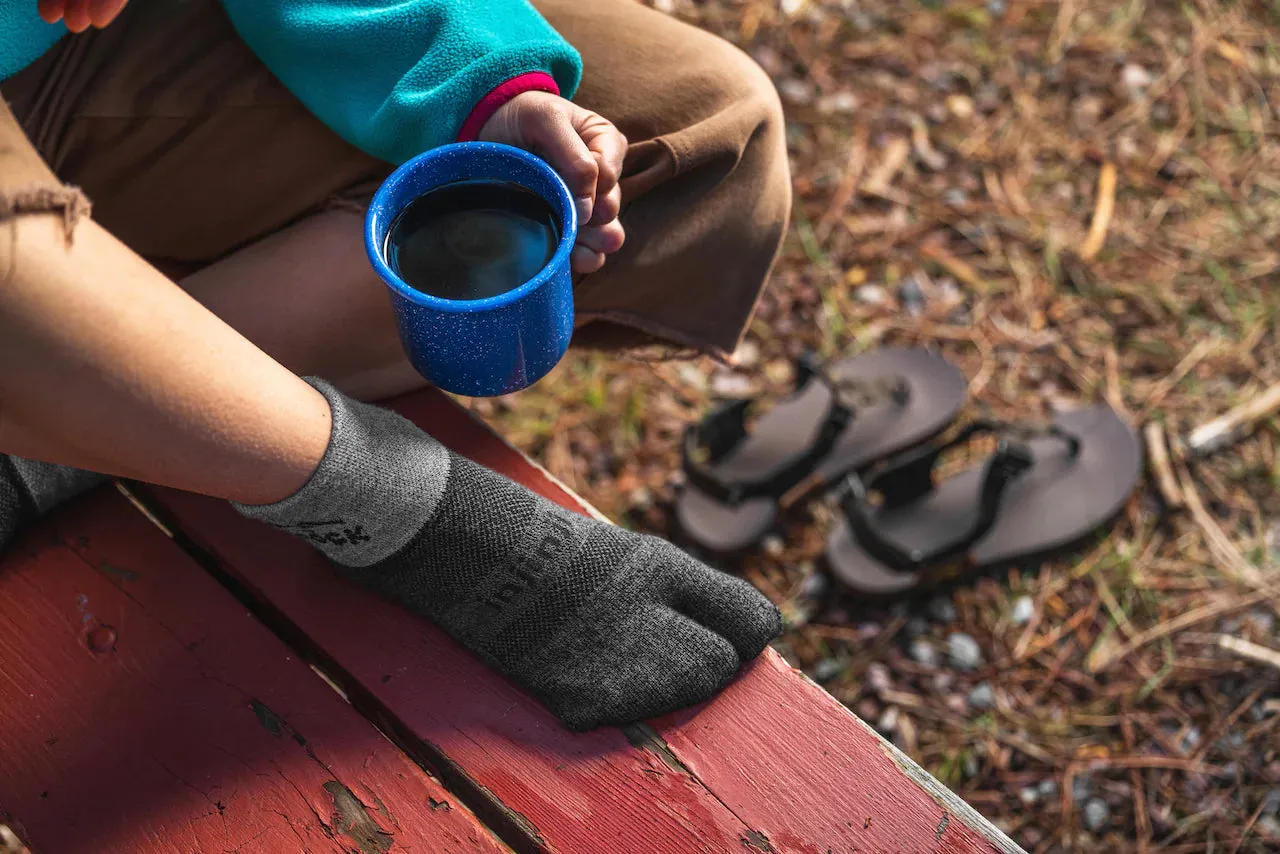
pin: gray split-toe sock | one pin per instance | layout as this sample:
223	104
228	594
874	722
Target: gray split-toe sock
29	489
602	625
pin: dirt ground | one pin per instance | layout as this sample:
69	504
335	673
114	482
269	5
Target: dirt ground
1074	201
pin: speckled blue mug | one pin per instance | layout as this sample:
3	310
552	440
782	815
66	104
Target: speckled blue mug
491	346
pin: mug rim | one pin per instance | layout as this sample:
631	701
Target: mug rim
381	207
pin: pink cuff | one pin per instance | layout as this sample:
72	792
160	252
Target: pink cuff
534	81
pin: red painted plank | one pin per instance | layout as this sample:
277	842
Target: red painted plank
587	793
142	709
777	764
781	752
784	755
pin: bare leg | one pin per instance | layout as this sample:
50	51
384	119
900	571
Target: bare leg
104	363
308	298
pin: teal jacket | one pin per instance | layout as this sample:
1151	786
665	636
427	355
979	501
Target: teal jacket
392	77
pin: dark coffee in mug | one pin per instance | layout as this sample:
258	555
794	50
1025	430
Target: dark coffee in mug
472	239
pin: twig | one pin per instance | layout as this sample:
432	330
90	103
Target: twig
1229	559
1177	624
1250	650
1222	431
929	156
1184	367
855	163
1102	212
1158	454
953	265
895	155
1248	826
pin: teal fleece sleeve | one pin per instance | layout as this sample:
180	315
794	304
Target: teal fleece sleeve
23	36
398	78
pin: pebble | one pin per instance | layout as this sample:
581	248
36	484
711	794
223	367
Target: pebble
795	90
870	294
917	626
1135	78
922	652
837	102
773	545
942	609
1271	803
878	677
747	354
1023	610
982	696
1029	795
936	113
827	668
911	296
1048	789
888	721
1263	621
971	767
955	197
1081	788
1268	826
814	585
1097	815
996	8
960	106
964	652
727	384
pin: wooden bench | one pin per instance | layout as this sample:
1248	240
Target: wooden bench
193	682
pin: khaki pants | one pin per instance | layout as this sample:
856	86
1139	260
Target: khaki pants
190	149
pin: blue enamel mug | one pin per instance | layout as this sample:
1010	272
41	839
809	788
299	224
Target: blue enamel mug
499	344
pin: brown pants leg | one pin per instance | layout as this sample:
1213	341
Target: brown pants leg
190	149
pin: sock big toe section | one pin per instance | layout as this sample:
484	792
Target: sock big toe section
630	667
728	606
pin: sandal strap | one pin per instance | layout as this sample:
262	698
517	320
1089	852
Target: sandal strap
725	428
908	477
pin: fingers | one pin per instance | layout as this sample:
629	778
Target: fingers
606	238
51	10
594	244
79	15
607	207
607	144
551	134
585	260
103	12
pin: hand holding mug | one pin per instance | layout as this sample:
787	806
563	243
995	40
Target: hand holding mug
80	15
586	149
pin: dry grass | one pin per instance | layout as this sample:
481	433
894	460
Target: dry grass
1073	200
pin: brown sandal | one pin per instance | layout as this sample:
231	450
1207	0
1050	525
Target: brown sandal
1042	490
839	418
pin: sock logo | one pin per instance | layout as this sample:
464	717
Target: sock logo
338	532
530	569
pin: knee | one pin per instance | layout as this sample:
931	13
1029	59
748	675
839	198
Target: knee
746	98
737	134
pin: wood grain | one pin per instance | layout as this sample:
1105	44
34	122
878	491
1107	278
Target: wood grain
772	764
143	710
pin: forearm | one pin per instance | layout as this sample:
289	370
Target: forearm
106	364
102	354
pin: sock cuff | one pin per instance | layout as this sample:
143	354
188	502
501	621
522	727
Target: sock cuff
378	484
